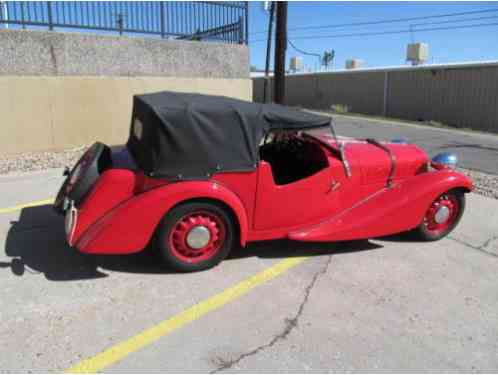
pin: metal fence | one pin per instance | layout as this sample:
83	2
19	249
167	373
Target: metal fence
459	95
201	20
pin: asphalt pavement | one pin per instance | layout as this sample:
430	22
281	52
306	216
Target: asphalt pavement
477	151
383	304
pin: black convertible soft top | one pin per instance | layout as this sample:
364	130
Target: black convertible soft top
192	136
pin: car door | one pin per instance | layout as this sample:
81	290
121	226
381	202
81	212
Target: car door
301	202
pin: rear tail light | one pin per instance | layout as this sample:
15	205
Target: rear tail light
70	223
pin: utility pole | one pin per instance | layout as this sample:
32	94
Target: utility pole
120	22
5	13
266	94
280	47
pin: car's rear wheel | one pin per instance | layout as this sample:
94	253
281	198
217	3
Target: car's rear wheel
195	236
442	216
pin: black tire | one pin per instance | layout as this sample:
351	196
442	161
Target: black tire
174	217
423	231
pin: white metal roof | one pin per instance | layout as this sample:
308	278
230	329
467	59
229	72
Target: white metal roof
458	65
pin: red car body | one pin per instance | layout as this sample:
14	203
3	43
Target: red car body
122	211
200	172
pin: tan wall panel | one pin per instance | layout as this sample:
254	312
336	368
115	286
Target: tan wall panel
174	84
26	112
121	112
240	89
52	113
83	111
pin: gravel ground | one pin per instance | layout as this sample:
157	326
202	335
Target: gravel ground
39	161
486	184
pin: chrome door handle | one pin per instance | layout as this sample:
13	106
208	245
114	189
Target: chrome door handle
334	186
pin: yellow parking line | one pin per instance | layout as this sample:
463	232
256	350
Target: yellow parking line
30	204
149	336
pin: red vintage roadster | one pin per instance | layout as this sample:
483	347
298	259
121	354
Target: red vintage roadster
201	174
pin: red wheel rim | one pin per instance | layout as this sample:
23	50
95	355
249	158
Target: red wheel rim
442	214
209	224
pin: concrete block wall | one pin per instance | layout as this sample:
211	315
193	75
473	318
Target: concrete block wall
45	53
62	90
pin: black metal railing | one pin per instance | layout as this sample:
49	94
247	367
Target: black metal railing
201	20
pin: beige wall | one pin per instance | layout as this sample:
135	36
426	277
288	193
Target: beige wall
54	113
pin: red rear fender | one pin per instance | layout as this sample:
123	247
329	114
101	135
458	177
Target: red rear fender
130	226
112	188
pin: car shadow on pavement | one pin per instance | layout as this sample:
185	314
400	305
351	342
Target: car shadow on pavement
36	244
288	248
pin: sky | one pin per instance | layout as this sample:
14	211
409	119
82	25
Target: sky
445	46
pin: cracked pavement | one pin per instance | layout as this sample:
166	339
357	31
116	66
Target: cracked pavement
482	247
290	324
380	305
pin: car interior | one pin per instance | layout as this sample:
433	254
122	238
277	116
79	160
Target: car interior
292	156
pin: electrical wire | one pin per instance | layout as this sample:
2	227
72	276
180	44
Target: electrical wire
450	21
304	52
395	20
392	32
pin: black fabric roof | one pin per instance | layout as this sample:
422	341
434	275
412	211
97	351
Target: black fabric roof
192	136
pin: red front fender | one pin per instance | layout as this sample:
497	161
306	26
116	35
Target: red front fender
129	227
388	211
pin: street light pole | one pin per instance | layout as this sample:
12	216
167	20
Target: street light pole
280	48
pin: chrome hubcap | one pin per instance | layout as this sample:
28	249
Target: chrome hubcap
198	237
442	214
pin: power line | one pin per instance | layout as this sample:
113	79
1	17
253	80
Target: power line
395	20
450	21
394	31
303	52
385	32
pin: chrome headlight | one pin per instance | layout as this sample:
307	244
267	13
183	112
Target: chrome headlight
447	159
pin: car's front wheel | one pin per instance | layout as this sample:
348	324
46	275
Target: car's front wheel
195	236
442	216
